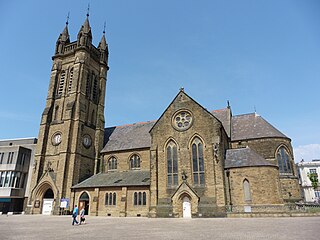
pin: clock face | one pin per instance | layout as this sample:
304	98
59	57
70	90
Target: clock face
56	139
87	141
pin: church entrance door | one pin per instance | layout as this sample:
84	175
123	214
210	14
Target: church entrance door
84	202
47	202
186	206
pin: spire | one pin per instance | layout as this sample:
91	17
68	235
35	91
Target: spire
103	47
84	35
103	42
63	38
86	24
65	33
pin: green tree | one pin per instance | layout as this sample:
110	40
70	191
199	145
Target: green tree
314	179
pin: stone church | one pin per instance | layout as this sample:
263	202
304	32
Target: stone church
190	162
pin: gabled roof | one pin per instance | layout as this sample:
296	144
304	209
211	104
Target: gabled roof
117	179
251	126
244	157
131	136
185	94
222	115
137	135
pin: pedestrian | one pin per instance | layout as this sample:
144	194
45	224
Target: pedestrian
75	215
82	218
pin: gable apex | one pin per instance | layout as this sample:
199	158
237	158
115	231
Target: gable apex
181	97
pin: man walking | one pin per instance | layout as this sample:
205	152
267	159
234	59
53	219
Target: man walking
75	215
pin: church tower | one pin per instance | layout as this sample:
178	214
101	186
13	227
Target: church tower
72	125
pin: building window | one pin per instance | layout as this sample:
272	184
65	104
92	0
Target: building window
313	170
246	191
10	158
139	199
172	164
111	199
11	179
92	117
55	115
112	163
7	179
95	88
2	176
70	80
197	162
284	161
88	86
18	180
135	162
61	83
1	157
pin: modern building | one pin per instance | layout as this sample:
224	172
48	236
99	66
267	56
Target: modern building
305	169
16	163
190	162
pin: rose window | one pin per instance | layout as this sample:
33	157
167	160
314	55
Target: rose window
182	120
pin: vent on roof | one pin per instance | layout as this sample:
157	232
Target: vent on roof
146	179
119	180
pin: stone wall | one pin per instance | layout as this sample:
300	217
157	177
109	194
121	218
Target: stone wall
264	185
124	206
123	158
210	131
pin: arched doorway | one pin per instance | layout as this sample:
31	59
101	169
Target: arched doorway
186	207
84	202
47	202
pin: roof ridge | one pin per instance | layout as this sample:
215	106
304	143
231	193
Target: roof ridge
132	124
219	110
239	115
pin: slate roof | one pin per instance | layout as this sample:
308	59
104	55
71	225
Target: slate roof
136	136
245	157
117	179
249	126
131	136
222	115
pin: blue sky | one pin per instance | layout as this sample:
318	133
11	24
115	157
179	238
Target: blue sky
262	55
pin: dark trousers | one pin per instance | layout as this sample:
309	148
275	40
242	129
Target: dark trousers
74	219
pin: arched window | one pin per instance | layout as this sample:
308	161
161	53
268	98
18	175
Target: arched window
61	83
95	88
135	198
70	80
107	199
92	118
172	164
112	164
284	161
88	86
56	110
114	200
139	199
144	198
111	199
197	162
135	162
246	191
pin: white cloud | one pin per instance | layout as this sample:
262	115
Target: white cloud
307	152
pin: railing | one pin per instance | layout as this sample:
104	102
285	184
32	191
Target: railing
70	47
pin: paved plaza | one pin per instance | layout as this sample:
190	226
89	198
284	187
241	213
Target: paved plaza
59	227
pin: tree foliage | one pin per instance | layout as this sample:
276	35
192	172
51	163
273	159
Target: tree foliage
314	179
